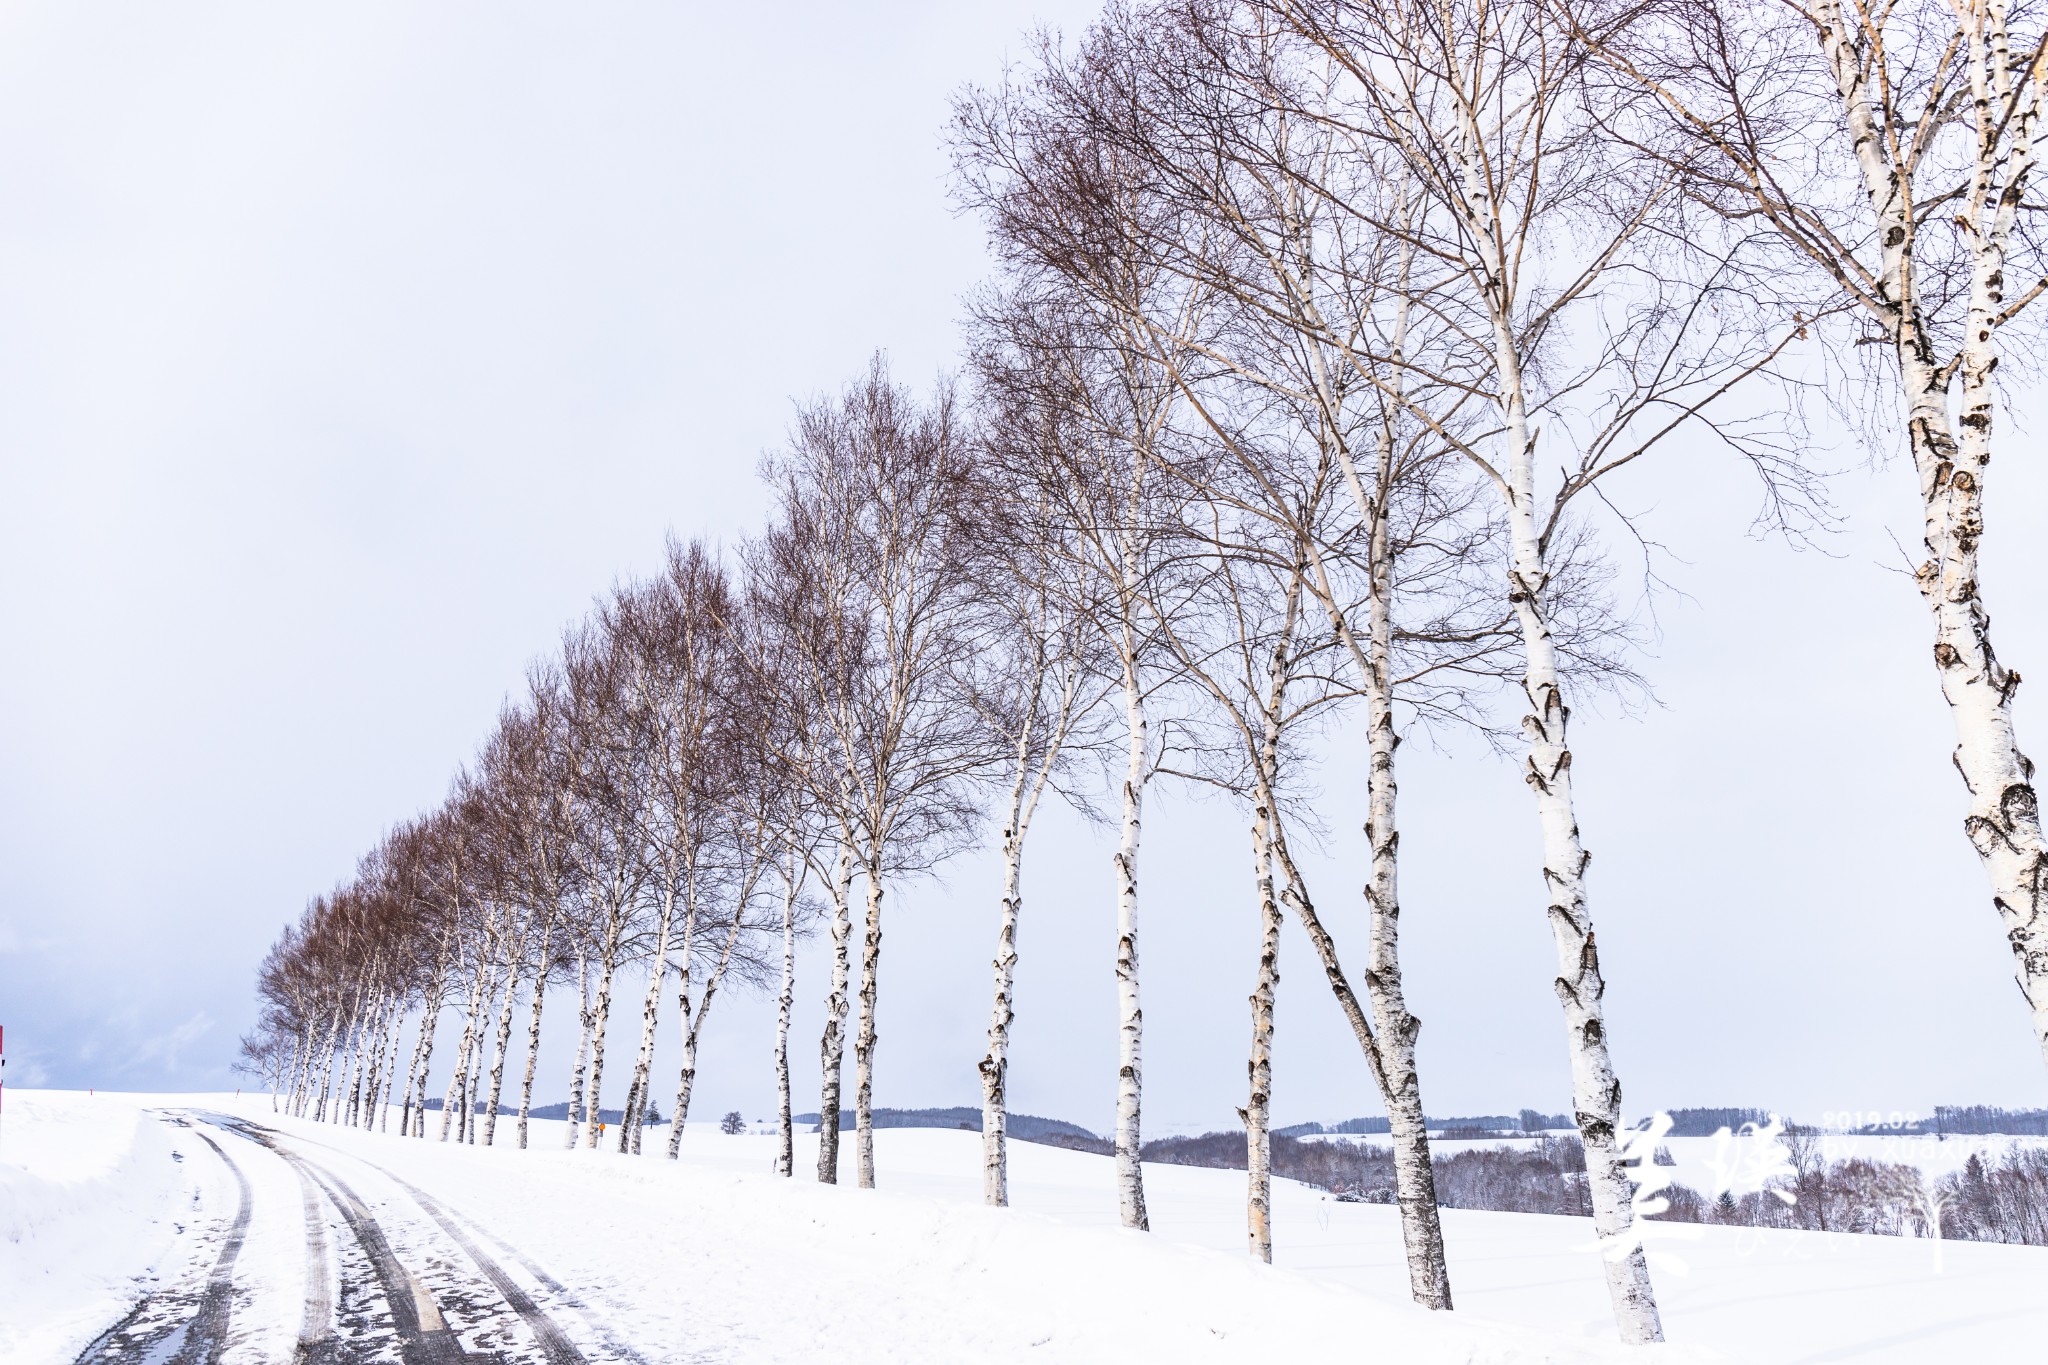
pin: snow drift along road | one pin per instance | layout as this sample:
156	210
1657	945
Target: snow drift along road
549	1256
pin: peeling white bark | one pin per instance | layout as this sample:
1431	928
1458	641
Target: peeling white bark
577	1104
1951	456
1128	1140
504	1035
832	1048
1257	1112
1596	1091
650	1017
792	884
540	999
866	1035
995	1063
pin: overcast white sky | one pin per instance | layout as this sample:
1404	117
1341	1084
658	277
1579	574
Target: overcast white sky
345	355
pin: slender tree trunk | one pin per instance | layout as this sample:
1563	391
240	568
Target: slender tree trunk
540	999
1596	1092
504	1039
1130	1174
686	1023
785	1157
578	1109
650	1016
391	1062
2004	820
327	1069
688	1078
1422	1236
423	1053
348	1094
472	1081
422	1047
1952	461
832	1048
864	1040
352	1073
608	965
373	1066
380	1042
458	1081
1257	1113
373	1070
290	1078
995	1064
302	1054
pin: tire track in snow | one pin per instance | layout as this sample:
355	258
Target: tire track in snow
449	1220
424	1337
453	1222
559	1349
555	1345
209	1330
316	1344
176	1326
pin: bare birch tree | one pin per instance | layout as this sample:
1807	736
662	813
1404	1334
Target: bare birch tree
863	540
1890	150
1525	224
1062	207
1040	615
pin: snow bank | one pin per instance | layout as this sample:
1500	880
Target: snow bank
88	1191
714	1258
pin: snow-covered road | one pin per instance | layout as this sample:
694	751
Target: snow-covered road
362	1246
407	1278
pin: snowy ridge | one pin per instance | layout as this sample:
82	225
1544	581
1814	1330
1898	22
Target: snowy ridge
90	1195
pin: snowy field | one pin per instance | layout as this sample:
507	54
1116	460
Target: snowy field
116	1207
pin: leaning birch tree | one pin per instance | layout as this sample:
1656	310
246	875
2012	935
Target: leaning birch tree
1557	304
1891	151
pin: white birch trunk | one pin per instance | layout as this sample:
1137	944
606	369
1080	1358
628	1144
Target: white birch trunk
785	1155
1257	1113
352	1074
864	1040
302	1070
291	1074
466	1133
995	1064
540	999
1396	1028
373	1062
686	1023
504	1038
1596	1092
688	1078
1422	1237
1130	1174
415	1123
600	1018
458	1081
650	1016
391	1063
832	1047
327	1069
1952	460
577	1107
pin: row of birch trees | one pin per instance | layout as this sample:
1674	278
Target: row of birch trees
1318	331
